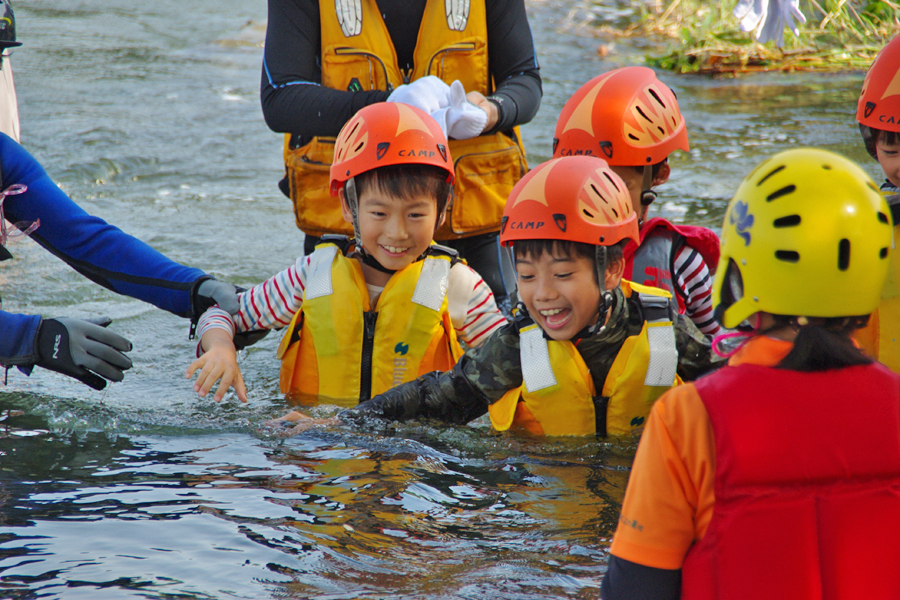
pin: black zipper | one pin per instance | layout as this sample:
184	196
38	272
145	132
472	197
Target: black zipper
368	346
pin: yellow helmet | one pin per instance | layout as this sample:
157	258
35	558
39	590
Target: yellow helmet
807	233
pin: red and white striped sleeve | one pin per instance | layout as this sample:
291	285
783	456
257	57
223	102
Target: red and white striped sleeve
692	277
473	311
269	305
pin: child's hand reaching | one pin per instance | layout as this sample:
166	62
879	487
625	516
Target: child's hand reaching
295	422
218	362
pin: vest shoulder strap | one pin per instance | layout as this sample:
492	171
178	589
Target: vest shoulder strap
319	282
341	241
434	280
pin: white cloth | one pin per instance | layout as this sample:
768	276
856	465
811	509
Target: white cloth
768	18
9	109
429	94
458	118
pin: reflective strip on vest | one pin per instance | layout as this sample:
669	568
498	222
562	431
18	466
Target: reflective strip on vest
431	289
537	372
318	278
663	363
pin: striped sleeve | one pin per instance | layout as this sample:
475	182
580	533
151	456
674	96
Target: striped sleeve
269	305
473	311
692	277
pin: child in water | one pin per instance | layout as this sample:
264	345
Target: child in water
587	353
366	315
878	114
631	120
778	476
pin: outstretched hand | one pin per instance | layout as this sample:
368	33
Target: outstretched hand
83	349
219	362
295	423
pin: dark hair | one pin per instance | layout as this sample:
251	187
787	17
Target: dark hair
888	138
654	169
537	248
823	344
403	181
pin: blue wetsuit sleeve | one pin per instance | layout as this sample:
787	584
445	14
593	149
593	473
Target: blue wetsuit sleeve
99	251
18	339
626	580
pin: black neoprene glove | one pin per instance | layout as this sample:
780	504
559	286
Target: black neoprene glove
83	349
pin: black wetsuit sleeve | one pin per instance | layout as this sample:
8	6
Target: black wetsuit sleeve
513	63
626	580
294	101
482	376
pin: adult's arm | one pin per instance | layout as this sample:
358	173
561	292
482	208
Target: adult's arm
99	251
294	101
18	339
626	580
464	393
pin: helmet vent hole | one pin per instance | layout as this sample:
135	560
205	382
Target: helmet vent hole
772	172
844	254
656	97
641	112
359	146
883	253
787	256
612	181
599	195
634	137
788	189
588	214
826	167
615	212
882	218
789	221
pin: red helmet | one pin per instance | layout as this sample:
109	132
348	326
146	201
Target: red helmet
384	134
627	117
879	102
575	198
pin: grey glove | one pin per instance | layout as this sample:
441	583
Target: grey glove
212	292
80	348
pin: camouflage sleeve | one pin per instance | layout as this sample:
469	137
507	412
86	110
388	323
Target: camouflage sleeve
480	378
695	356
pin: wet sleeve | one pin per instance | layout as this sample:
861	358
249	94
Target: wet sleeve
293	99
99	251
695	355
513	64
669	499
481	377
18	339
626	580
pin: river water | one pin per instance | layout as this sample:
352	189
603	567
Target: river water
147	114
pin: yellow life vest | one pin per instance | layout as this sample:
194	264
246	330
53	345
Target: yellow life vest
881	337
357	54
557	394
338	347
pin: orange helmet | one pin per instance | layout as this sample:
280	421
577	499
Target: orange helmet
575	198
627	117
879	102
384	134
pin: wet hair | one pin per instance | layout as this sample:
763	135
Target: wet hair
405	181
888	138
569	249
823	344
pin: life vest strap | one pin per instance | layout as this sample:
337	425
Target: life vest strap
537	372
318	278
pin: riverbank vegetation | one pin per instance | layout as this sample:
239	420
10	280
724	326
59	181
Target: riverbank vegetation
705	36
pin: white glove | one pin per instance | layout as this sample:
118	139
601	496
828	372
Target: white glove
428	93
462	119
768	18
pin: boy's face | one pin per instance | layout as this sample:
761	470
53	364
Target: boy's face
395	231
889	159
561	292
635	183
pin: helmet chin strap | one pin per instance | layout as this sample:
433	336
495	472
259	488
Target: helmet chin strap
647	194
601	260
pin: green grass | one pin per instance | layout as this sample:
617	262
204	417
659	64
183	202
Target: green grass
705	37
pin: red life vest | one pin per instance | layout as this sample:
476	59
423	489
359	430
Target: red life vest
807	486
651	262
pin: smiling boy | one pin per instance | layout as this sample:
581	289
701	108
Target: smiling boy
588	352
366	315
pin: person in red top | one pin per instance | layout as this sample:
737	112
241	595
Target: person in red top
630	119
778	476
